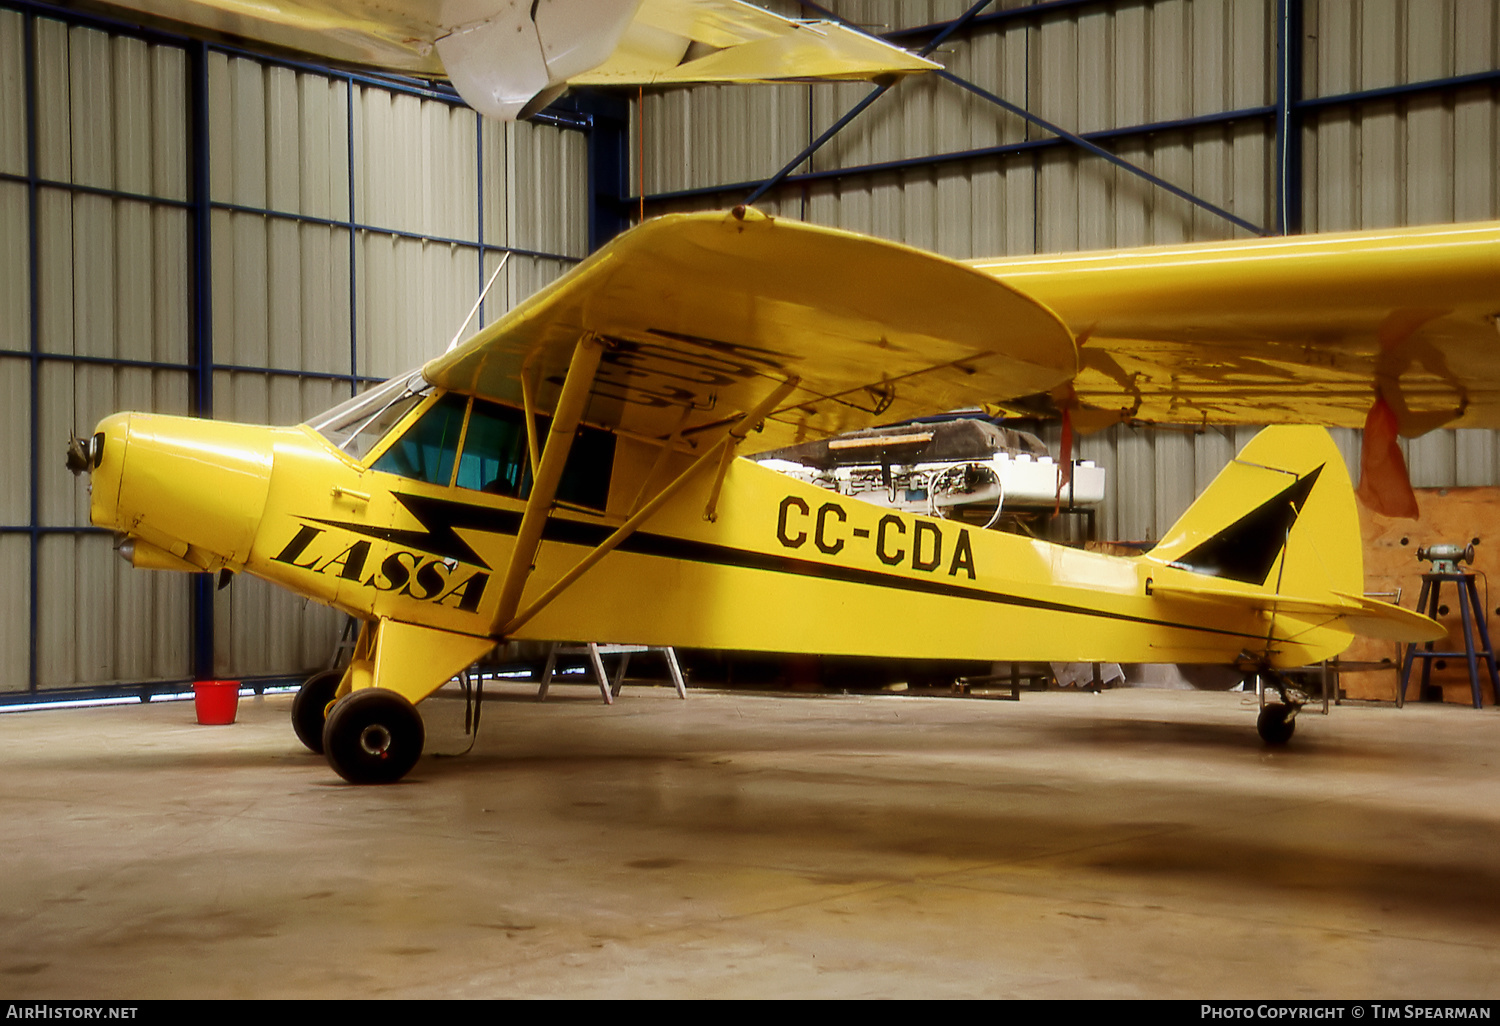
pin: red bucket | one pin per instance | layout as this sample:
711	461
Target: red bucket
216	700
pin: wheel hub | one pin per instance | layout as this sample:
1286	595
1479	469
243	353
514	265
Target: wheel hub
375	740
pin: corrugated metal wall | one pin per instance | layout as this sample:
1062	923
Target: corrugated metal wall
109	227
319	277
1185	89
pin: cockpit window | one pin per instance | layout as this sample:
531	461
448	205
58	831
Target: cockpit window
358	423
427	450
496	458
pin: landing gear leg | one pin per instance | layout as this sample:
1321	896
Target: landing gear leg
374	734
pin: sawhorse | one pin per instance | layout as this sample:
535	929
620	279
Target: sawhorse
595	652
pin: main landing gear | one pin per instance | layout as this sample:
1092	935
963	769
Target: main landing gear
310	707
371	736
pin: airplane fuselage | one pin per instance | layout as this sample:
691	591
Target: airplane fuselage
782	566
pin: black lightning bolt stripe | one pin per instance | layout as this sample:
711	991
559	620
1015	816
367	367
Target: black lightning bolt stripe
442	517
440	520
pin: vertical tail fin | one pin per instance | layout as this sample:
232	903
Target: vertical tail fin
1277	531
1281	516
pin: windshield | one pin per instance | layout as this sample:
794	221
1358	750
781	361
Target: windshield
358	423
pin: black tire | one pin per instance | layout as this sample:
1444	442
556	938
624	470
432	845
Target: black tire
1276	723
373	736
310	707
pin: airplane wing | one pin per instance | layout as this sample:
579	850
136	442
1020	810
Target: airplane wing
508	59
1400	325
1304	329
706	314
1298	329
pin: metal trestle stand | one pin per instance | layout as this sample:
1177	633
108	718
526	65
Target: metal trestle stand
594	651
1445	569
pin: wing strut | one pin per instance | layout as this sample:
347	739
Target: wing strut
529	375
723	450
565	418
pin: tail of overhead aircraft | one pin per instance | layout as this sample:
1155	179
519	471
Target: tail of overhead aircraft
1278	530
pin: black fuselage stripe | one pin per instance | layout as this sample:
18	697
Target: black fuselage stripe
573	532
667	547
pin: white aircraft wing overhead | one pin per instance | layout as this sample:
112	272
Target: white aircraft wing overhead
696	41
509	58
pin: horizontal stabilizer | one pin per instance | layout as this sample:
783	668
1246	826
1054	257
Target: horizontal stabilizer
781	51
1390	623
1369	618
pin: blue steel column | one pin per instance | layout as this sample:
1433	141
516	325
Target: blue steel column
202	329
609	165
1289	32
353	243
34	298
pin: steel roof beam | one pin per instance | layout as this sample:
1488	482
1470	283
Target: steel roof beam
859	108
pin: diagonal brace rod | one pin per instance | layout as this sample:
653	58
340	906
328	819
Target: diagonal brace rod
1022	112
1100	151
609	544
816	144
858	108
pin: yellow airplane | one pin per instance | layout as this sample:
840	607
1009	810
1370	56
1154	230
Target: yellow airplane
509	59
570	472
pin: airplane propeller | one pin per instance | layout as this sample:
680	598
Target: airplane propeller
78	457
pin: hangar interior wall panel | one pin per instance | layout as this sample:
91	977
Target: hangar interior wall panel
352	225
15	624
15	306
1419	160
348	226
537	218
110	274
12	93
1136	69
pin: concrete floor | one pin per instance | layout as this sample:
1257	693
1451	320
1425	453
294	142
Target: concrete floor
1130	844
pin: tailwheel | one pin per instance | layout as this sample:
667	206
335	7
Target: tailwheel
310	707
373	736
1276	723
